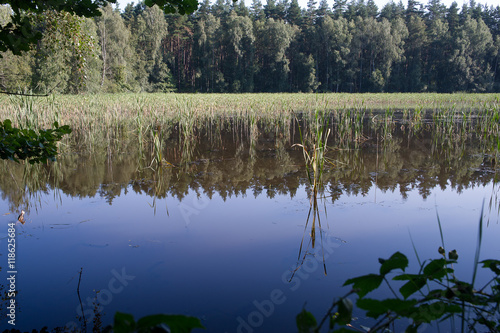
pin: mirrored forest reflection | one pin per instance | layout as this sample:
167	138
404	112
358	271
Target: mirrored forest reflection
392	151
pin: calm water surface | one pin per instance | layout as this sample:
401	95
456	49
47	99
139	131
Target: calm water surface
219	237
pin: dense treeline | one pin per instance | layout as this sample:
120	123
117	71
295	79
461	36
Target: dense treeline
273	47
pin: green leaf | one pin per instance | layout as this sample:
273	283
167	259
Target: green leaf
35	146
492	264
344	312
176	323
365	283
437	269
305	321
465	291
124	323
412	286
427	313
376	308
7	124
397	260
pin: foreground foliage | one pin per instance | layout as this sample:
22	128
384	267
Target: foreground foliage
36	146
124	323
446	297
441	297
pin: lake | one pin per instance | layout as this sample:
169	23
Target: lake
216	224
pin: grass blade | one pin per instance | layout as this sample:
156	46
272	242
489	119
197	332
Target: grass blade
440	230
478	245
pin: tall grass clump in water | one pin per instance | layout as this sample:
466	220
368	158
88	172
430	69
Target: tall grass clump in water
314	145
314	151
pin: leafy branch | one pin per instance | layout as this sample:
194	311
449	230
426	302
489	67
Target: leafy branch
36	146
452	297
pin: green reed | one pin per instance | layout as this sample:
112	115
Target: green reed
314	151
157	146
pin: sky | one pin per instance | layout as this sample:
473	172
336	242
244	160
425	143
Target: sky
380	3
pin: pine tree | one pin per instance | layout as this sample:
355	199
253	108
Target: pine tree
294	15
257	11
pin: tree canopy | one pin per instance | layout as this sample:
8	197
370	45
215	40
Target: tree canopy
20	32
276	46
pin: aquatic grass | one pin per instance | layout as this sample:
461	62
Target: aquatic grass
314	151
157	147
479	242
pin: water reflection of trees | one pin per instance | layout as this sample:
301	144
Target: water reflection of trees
265	164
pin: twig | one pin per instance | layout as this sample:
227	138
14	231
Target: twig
22	94
329	312
381	323
392	290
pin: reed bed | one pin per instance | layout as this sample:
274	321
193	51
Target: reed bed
112	120
96	111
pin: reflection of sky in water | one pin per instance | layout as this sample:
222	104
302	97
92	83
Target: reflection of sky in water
213	259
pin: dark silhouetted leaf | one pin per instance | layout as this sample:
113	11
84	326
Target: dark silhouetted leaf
397	260
305	321
124	323
376	308
427	313
437	269
365	283
492	264
344	312
176	323
412	286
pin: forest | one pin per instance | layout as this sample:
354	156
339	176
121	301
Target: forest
227	47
